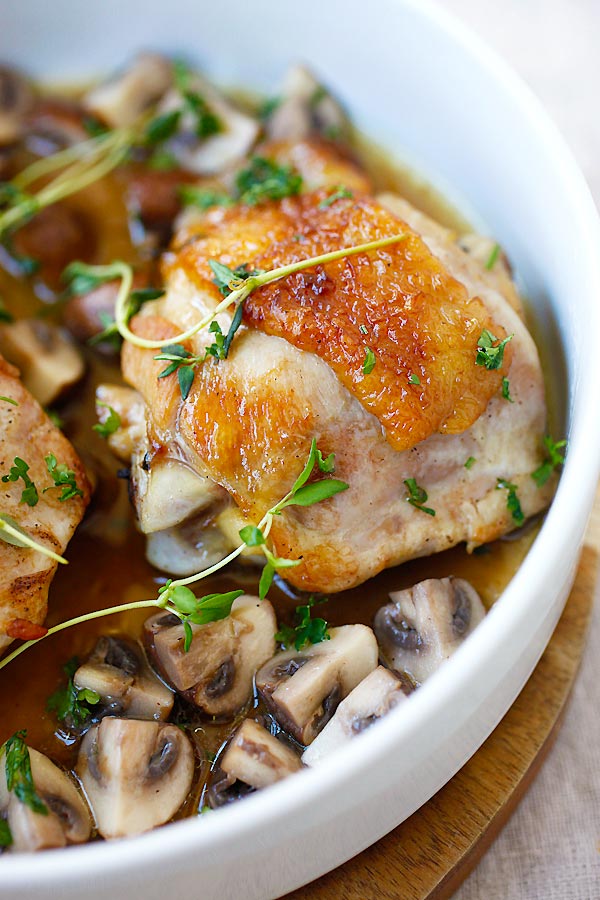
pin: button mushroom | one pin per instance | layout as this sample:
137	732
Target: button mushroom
306	107
217	671
253	759
187	548
303	689
135	774
425	624
236	135
121	100
16	98
48	360
376	694
118	671
67	820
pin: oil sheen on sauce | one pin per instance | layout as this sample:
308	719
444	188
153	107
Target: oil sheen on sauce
107	565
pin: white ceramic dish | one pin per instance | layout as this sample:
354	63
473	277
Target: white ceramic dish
426	88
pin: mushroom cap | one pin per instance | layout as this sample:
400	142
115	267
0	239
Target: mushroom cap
425	624
68	818
304	688
257	758
135	774
120	100
217	672
371	699
119	672
49	361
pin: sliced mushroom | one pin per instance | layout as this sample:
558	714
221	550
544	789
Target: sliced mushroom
67	820
16	97
425	624
253	759
135	774
217	671
237	133
376	694
49	362
154	196
118	671
304	688
305	108
86	315
120	101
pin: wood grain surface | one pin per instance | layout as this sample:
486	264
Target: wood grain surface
429	855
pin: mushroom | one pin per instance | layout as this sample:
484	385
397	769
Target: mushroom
217	671
118	671
16	97
371	699
233	141
54	123
153	196
425	624
86	315
253	759
306	107
135	774
122	99
303	689
67	820
49	362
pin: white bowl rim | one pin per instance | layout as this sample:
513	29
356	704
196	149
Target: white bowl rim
565	520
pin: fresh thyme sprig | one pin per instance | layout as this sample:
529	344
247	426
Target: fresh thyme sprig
177	598
240	288
12	533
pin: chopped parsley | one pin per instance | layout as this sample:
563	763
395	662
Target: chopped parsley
203	198
490	350
307	631
493	257
369	361
111	424
63	477
71	704
470	462
20	470
339	193
506	390
19	779
363	329
414	379
555	457
513	504
264	180
417	496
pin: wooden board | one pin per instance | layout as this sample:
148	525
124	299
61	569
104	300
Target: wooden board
429	855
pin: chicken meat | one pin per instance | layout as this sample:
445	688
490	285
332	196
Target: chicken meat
296	370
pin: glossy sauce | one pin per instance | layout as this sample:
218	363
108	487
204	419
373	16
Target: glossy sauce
107	563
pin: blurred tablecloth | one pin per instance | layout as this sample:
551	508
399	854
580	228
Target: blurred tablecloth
550	849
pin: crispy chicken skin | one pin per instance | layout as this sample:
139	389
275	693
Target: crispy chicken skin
25	575
296	371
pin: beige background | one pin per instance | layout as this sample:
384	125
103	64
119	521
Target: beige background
550	850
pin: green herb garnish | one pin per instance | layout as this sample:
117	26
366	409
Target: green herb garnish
307	631
264	180
339	193
506	390
111	424
470	462
6	838
414	379
555	457
19	779
417	496
369	361
71	704
203	198
493	257
490	352
9	400
513	504
20	469
63	477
